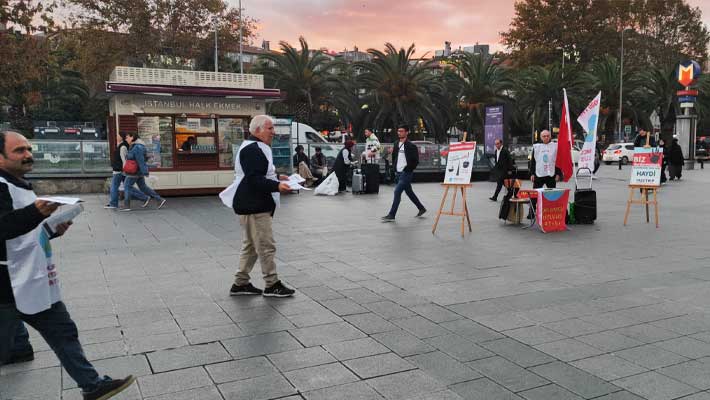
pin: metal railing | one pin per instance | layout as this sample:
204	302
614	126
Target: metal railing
176	77
70	157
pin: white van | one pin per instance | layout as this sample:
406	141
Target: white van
307	137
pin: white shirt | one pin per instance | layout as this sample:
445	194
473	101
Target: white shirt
227	195
346	156
545	157
497	154
401	158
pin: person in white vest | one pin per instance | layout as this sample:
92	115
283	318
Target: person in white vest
542	164
254	196
29	285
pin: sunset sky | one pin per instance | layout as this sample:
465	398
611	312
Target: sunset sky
339	24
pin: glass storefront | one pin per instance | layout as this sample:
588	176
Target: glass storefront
157	133
231	131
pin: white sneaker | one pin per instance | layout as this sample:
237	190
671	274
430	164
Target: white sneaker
124	209
109	207
146	203
162	203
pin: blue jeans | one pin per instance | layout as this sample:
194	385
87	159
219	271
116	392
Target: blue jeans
59	331
113	193
404	184
142	186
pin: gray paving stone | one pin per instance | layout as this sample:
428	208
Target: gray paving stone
361	295
609	367
443	368
259	345
301	358
100	351
213	334
21	384
381	364
507	374
320	293
241	369
43	359
325	334
322	376
370	323
344	306
533	335
686	346
549	392
443	395
164	341
312	319
173	381
568	349
519	353
650	356
697	396
472	330
190	356
350	391
573	327
574	380
654	386
459	348
694	373
609	341
355	349
403	343
118	367
420	327
405	385
130	393
435	313
647	333
259	388
267	325
504	321
203	393
685	325
623	395
483	389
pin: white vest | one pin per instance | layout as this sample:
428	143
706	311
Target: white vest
545	157
227	194
33	275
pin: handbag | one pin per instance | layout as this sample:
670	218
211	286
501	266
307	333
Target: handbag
130	167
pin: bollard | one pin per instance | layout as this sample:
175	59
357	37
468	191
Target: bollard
620	158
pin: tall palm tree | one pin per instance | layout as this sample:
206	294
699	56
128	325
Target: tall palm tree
479	82
401	89
302	74
657	92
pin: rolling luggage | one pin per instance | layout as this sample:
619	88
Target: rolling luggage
585	200
372	178
358	186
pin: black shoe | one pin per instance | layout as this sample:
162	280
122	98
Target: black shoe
109	388
25	356
421	212
388	218
492	199
278	290
244	289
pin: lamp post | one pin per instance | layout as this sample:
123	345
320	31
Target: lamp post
621	81
241	61
215	20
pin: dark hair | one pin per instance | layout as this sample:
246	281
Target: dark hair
403	126
317	148
132	134
2	143
122	134
299	148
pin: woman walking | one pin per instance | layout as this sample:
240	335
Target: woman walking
137	153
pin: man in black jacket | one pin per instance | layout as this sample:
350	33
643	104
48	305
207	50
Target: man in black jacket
405	158
503	168
642	137
20	216
255	199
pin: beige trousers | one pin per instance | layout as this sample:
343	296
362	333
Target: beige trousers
257	242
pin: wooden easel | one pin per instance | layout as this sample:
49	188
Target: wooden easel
643	200
643	197
464	211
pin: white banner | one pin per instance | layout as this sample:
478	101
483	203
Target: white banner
589	119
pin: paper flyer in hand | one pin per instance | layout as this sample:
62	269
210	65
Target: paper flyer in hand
65	215
62	200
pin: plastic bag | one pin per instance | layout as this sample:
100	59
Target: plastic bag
329	187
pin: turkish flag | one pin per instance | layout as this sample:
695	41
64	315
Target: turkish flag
564	143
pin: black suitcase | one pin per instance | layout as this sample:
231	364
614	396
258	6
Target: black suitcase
371	173
585	201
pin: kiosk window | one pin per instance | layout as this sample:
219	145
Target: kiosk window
157	133
195	135
231	131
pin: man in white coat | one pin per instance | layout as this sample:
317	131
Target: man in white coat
29	286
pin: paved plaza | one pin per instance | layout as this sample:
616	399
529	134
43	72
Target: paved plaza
388	311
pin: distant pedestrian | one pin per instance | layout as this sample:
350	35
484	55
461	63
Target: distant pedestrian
138	152
118	159
342	164
503	168
254	196
676	161
372	147
644	137
302	165
319	164
666	156
29	287
405	158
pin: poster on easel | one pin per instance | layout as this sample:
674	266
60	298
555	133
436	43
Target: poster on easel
646	168
459	163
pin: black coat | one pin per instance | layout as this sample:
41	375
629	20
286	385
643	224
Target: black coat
640	141
253	195
676	157
301	157
340	167
410	152
504	165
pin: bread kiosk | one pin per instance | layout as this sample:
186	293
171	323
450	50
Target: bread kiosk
189	120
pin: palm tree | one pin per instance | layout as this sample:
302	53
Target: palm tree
657	92
479	82
302	74
401	89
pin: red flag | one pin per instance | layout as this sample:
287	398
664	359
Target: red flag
564	143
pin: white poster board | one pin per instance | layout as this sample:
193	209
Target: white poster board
459	163
646	169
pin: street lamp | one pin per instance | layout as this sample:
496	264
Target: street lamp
215	21
621	80
241	21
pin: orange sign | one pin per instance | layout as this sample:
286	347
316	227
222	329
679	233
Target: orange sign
688	72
